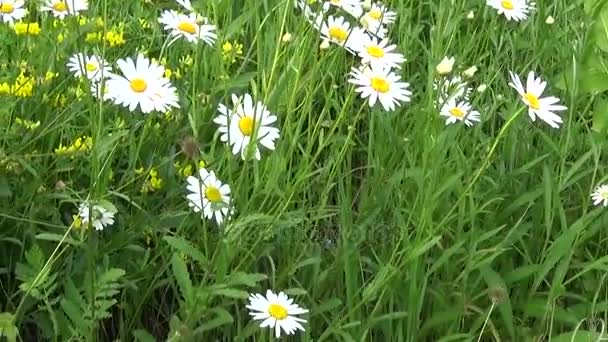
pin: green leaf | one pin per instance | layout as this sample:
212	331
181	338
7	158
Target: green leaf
183	246
5	188
141	335
246	279
180	271
231	293
600	116
221	317
578	336
7	327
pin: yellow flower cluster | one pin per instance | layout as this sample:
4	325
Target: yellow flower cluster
23	86
230	51
81	144
27	124
187	169
32	29
153	181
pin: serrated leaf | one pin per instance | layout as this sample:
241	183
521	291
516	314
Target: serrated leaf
246	279
183	246
180	271
231	293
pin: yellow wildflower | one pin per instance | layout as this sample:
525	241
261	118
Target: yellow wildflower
153	181
81	144
143	23
230	51
5	88
115	38
93	37
186	61
27	28
27	124
49	76
24	86
77	223
60	37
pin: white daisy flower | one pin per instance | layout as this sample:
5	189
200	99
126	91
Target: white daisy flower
92	67
337	30
516	10
380	84
600	195
374	27
380	14
190	27
186	4
545	107
445	66
452	88
379	53
143	85
245	122
99	216
209	195
352	7
276	311
63	8
12	10
459	111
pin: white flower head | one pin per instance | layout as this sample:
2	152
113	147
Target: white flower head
445	66
379	53
459	111
142	84
380	84
276	311
550	20
352	7
380	14
452	88
92	67
531	94
191	27
337	30
98	215
246	123
208	196
12	10
600	195
63	8
516	10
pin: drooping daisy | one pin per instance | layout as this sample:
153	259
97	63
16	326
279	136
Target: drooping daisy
63	8
99	216
379	53
243	123
12	10
459	111
380	84
92	67
380	14
452	88
143	85
600	195
516	10
352	7
190	27
337	30
276	311
209	195
545	107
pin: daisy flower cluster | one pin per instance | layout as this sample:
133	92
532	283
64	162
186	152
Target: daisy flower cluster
454	92
362	31
13	11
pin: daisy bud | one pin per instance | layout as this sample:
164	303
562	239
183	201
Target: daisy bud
324	45
482	88
445	66
549	20
470	71
286	37
366	4
471	15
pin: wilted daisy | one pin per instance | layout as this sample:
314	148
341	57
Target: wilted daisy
143	85
545	107
244	122
516	10
98	215
379	54
92	67
338	31
452	88
380	84
63	8
209	195
459	111
276	311
380	14
600	195
190	27
99	90
12	10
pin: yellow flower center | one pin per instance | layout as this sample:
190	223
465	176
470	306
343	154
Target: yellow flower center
138	85
375	14
532	101
338	33
457	112
187	27
375	51
7	8
246	125
380	84
277	311
60	6
91	67
507	4
213	194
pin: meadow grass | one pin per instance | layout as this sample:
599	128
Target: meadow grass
386	226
